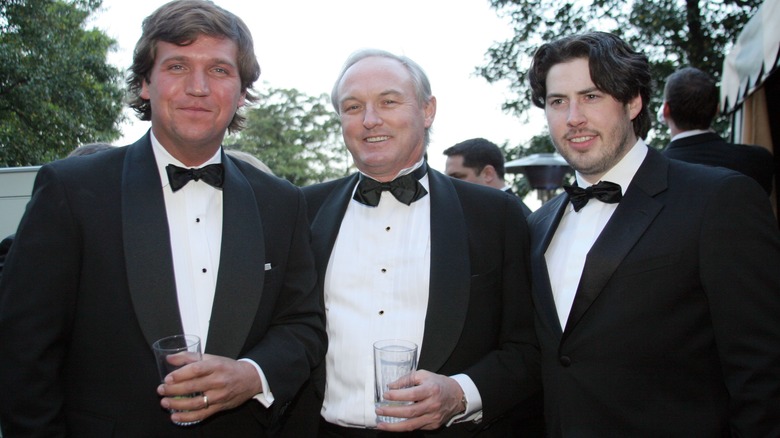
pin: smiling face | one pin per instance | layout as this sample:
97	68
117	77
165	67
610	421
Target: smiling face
382	122
194	91
590	129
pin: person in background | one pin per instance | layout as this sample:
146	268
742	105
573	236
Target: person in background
165	236
655	281
690	105
405	252
89	149
249	158
479	161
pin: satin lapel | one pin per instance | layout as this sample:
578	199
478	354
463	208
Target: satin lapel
241	266
147	246
633	216
541	237
326	224
450	282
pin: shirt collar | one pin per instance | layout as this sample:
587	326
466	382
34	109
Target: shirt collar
691	133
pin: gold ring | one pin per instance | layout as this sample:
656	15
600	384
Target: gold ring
206	401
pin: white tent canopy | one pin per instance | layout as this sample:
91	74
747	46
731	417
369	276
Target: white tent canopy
753	58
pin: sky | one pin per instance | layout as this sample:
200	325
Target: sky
302	44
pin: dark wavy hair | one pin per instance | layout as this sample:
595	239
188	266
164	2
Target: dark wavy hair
615	68
181	22
692	96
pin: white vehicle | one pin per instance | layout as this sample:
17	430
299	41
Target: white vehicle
16	185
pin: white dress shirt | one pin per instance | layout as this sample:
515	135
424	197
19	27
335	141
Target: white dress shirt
195	225
376	287
578	231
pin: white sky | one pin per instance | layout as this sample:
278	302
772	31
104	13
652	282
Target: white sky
302	44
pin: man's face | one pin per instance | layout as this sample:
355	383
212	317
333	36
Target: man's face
454	168
590	129
194	92
382	123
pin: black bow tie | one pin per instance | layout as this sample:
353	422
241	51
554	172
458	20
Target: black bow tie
604	191
213	175
406	189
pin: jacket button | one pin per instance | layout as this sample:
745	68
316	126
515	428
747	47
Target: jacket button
565	361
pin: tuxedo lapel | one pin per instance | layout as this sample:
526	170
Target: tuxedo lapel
450	280
326	224
633	216
543	234
147	245
241	267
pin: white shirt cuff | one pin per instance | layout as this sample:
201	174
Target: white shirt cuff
266	398
473	401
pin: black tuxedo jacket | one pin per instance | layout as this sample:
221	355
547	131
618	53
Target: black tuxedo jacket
526	211
479	319
674	329
89	286
710	149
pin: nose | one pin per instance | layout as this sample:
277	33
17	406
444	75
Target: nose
371	117
198	84
576	117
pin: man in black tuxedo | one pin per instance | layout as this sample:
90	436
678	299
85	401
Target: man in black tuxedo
479	161
657	305
690	105
117	250
417	259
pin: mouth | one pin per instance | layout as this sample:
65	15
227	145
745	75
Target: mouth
377	139
581	139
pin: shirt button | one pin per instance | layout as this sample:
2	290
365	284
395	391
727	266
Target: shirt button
566	361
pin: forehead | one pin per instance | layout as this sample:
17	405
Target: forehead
203	46
375	75
570	75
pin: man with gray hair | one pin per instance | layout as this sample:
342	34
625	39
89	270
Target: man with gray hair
405	252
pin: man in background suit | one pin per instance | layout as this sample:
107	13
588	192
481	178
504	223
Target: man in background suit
419	261
655	290
479	161
690	105
116	250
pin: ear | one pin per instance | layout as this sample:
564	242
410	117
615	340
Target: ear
635	106
430	111
488	173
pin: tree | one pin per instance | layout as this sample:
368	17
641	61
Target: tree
57	90
296	135
672	33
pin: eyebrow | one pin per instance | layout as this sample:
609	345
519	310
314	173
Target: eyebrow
590	90
385	93
182	58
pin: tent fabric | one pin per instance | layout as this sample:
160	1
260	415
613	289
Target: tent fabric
754	57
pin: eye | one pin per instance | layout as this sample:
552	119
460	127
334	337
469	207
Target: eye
350	108
555	102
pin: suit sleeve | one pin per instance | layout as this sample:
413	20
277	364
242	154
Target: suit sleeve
37	295
740	273
295	342
510	375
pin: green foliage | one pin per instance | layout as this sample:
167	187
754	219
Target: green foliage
672	33
57	90
297	136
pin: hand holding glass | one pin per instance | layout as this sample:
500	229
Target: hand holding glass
188	345
394	362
